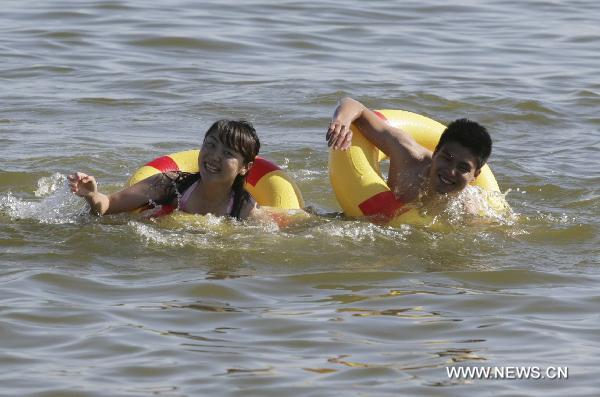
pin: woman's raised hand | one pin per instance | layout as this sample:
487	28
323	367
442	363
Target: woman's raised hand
82	184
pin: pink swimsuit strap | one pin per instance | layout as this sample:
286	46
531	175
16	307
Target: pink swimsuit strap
186	196
230	205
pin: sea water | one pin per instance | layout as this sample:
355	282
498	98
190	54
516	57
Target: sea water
120	306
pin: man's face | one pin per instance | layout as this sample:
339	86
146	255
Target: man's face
453	167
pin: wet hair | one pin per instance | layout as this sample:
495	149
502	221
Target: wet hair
241	136
471	135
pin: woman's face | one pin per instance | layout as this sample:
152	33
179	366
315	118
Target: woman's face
220	163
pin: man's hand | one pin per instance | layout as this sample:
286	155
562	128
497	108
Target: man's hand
339	135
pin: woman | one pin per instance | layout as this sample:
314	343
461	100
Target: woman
227	154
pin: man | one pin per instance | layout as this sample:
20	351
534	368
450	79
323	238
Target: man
416	173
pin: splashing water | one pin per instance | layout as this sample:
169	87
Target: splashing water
472	205
481	203
53	203
360	231
181	229
56	204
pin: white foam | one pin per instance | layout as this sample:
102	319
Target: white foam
362	231
56	203
474	205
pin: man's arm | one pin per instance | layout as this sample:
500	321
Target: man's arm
390	140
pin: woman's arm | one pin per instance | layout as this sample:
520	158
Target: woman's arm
152	189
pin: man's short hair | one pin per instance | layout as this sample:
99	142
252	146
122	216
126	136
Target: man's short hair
471	135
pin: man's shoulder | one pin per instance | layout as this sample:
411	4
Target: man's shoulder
407	151
407	176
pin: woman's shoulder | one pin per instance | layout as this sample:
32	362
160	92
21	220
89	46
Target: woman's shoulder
180	175
171	184
182	180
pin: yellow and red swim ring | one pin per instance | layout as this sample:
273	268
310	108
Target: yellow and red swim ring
266	181
356	178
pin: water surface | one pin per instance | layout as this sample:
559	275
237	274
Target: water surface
118	306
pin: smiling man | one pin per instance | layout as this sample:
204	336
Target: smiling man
416	173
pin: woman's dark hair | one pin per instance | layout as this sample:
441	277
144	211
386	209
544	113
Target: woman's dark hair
471	135
241	136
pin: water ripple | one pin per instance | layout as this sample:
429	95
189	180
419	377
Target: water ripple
187	42
123	306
